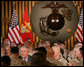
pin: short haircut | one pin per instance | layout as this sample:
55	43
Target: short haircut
18	44
14	50
42	50
37	59
60	42
81	50
27	42
25	47
47	41
6	61
78	43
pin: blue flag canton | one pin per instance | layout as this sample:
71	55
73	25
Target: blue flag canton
14	21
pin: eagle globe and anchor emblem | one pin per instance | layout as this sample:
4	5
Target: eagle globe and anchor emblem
25	28
52	23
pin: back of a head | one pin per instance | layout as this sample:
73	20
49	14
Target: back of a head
42	50
47	43
14	50
37	59
78	44
60	42
18	44
5	61
81	51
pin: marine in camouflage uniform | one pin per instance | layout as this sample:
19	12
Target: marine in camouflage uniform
78	57
73	61
15	61
18	62
59	62
80	63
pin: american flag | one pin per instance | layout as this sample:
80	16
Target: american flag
14	34
79	32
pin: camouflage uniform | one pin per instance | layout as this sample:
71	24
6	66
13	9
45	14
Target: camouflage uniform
80	63
59	62
72	62
47	63
71	53
18	62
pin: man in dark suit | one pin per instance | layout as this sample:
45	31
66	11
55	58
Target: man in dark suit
15	61
25	54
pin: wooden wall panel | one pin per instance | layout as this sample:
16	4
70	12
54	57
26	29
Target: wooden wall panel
20	16
69	44
33	37
29	8
9	12
20	7
2	18
23	9
66	44
33	2
6	4
72	42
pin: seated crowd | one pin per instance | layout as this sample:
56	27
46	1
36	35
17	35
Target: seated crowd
46	54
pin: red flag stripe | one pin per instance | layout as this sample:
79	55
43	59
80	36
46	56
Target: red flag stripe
80	29
17	31
12	37
15	34
17	28
79	36
79	32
